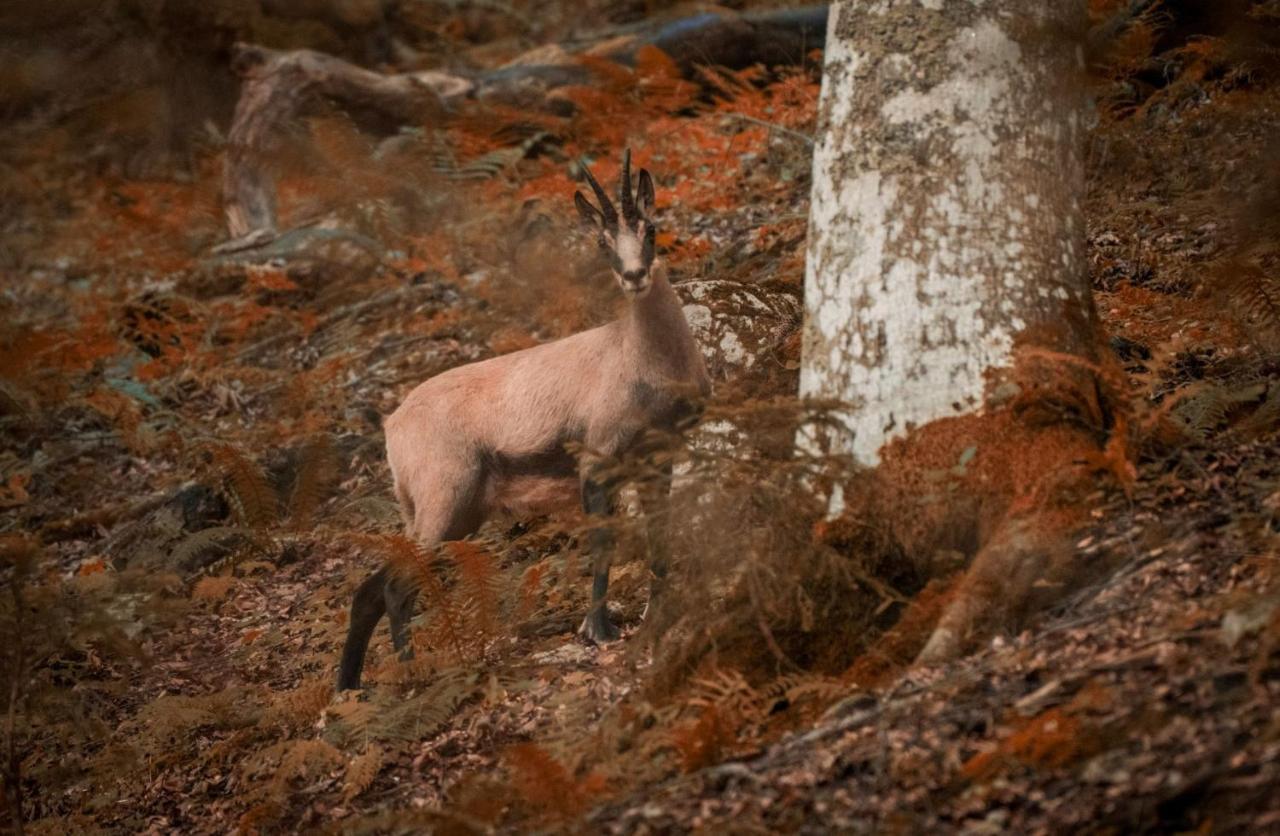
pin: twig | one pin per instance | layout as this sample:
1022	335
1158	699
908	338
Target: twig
778	653
352	310
773	126
70	528
13	769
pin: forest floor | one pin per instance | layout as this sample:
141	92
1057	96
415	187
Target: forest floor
195	443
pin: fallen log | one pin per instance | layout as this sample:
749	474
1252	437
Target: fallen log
277	84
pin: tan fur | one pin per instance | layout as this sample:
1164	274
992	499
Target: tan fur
490	437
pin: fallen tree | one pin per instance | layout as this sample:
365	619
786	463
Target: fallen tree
277	84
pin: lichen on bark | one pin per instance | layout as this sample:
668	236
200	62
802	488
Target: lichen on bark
945	219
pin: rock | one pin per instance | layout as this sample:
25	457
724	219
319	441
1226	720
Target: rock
147	543
739	326
194	527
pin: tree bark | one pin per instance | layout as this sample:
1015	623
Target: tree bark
946	205
946	232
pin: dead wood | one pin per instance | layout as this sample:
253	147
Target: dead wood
151	534
277	84
84	524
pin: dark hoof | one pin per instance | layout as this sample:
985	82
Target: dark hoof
597	627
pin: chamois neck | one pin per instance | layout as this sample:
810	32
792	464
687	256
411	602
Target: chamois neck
655	323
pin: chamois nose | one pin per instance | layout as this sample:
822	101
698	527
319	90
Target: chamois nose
635	283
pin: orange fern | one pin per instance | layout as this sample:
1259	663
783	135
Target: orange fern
545	784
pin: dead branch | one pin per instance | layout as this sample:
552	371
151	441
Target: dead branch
277	84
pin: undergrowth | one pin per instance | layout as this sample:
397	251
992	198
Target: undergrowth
193	483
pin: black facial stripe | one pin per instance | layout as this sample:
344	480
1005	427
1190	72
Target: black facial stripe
646	250
614	261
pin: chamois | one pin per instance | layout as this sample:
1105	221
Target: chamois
496	436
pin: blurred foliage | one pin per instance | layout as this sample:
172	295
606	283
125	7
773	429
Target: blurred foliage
132	362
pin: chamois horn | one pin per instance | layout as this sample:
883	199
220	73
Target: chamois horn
606	205
624	190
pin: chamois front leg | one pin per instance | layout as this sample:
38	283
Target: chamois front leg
656	502
598	501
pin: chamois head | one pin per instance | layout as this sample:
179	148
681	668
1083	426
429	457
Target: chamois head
628	240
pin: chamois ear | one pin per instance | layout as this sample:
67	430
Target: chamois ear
590	215
644	193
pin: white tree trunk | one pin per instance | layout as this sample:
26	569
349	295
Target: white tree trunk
946	208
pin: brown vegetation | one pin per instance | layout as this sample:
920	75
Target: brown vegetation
192	483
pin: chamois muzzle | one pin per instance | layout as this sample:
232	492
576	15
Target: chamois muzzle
635	283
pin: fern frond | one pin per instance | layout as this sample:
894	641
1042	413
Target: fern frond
1255	296
482	585
305	759
361	773
375	510
245	485
723	689
700	743
301	707
317	472
257	544
224	751
170	720
171	713
442	611
804	687
422	716
547	785
350	721
1265	418
530	589
213	588
213	549
1207	411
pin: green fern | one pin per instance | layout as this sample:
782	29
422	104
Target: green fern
1207	412
208	548
422	716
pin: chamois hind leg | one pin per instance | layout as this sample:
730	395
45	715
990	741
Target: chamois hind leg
598	500
452	515
367	608
450	512
398	592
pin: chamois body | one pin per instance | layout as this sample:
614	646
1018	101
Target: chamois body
494	436
498	436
